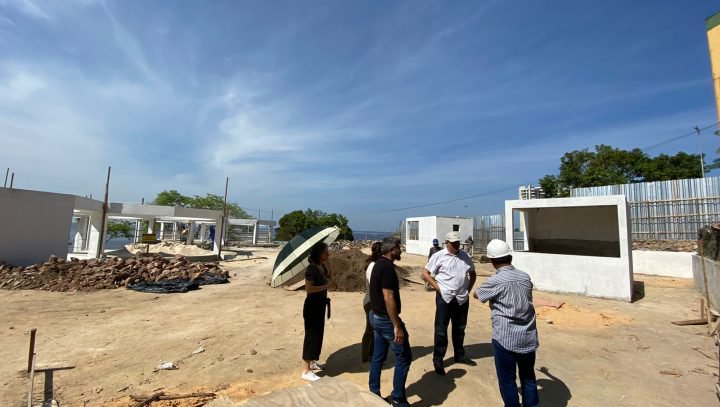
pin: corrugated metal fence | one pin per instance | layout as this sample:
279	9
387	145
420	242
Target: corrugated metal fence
672	210
487	228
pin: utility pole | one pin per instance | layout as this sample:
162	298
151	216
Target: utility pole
7	173
224	220
12	179
103	221
702	159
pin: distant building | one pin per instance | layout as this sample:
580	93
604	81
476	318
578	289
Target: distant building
420	232
526	192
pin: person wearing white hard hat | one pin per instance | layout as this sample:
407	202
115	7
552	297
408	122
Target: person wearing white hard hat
451	273
515	336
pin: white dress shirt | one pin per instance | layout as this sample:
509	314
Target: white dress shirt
452	273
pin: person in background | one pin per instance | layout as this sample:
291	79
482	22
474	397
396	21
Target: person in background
514	334
316	286
389	329
451	273
434	249
469	243
369	335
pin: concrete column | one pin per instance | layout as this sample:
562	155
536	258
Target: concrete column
191	233
81	235
151	226
255	233
138	230
162	230
94	240
203	232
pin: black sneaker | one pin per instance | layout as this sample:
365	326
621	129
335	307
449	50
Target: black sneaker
439	369
464	360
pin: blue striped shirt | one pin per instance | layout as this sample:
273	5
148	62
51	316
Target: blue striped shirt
513	315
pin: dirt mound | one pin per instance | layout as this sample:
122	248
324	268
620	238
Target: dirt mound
347	268
665	245
574	317
87	275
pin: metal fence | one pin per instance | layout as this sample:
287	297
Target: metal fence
671	210
487	228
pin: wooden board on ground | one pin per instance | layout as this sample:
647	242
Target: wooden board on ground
326	392
295	287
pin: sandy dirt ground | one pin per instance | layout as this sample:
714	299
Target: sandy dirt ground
593	352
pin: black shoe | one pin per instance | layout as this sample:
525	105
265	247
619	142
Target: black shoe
399	403
464	360
439	369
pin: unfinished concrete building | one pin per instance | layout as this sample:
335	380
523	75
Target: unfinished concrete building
573	245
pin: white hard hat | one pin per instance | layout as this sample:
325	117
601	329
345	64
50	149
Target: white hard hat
497	249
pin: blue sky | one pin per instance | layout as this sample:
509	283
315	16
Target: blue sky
354	107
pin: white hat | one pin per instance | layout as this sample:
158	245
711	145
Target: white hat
452	237
497	249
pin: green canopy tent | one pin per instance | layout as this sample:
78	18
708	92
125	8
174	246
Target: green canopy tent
293	258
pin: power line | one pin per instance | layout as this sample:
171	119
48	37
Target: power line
670	140
676	138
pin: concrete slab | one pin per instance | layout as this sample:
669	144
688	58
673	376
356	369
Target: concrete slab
327	392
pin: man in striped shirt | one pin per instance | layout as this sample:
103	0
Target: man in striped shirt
514	337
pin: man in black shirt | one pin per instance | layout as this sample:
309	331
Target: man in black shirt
385	319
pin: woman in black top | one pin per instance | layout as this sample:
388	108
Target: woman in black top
316	286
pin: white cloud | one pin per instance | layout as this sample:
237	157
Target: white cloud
28	7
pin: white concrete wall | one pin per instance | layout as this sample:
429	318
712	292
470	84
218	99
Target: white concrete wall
606	277
666	264
445	225
35	225
426	234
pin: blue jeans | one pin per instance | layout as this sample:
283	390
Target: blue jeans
506	363
384	335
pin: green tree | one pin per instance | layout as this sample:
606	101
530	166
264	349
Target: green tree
609	166
296	221
117	229
209	201
679	166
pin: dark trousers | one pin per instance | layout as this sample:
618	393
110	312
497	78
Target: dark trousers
384	340
506	363
314	316
444	313
368	338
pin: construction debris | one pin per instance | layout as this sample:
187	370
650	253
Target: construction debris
665	245
166	366
87	275
709	237
352	244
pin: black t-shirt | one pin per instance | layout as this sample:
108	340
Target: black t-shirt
383	276
317	276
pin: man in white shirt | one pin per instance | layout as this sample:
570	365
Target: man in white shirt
451	273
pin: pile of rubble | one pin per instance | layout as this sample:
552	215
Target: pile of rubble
352	244
86	275
665	245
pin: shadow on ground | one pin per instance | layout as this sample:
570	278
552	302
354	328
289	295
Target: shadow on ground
434	390
553	391
348	359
